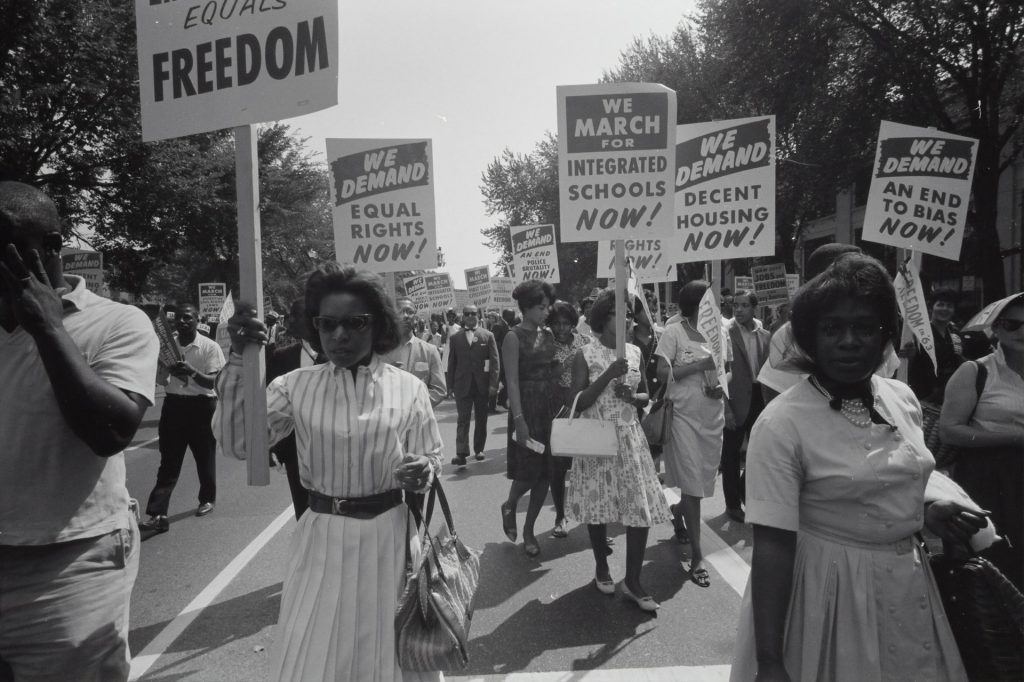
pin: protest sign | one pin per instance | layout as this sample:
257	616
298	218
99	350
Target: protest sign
913	308
210	65
416	289
85	264
211	298
170	352
501	292
709	324
616	145
478	283
770	283
462	299
742	283
382	202
650	264
534	253
920	188
792	284
725	189
222	336
432	292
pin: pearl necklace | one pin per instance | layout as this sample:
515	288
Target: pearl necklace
855	411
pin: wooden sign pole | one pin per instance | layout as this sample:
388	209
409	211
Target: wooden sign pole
620	298
902	255
251	280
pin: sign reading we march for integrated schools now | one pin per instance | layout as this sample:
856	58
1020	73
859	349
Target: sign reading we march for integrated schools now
210	65
534	253
211	299
478	284
616	158
725	189
432	292
920	188
382	201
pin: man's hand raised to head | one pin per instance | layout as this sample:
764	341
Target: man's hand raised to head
29	294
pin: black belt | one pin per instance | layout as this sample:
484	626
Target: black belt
356	507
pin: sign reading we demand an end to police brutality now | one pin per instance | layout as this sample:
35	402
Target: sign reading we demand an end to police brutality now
616	160
382	196
920	187
213	64
534	253
725	189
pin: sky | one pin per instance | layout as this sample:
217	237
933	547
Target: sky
475	77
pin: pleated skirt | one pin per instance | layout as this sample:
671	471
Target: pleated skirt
858	614
338	603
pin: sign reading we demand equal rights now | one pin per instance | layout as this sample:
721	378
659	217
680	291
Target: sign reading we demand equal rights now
616	147
725	189
534	253
222	63
920	187
382	195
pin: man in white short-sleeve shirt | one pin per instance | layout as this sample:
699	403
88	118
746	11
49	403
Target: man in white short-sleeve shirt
77	373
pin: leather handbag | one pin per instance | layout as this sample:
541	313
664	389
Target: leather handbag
657	424
572	436
435	609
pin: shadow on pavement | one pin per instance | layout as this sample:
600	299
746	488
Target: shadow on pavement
731	532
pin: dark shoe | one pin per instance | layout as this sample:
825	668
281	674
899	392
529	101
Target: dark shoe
531	547
700	576
508	522
459	461
736	514
480	457
204	509
559	530
155	524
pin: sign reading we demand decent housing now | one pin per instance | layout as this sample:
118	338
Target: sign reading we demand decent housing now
725	189
222	63
616	147
382	194
920	187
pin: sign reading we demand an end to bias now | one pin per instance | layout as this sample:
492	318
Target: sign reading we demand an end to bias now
725	189
213	64
382	196
616	146
535	253
920	188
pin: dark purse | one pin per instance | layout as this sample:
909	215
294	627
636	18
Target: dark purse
657	425
435	609
986	614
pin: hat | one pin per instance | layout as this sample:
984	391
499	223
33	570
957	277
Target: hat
272	315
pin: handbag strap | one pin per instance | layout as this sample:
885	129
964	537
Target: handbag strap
423	518
572	413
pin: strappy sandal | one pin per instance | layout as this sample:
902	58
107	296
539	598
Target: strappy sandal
559	530
508	522
700	576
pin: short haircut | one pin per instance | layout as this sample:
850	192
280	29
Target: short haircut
945	294
748	294
824	256
26	213
563	310
855	276
332	278
508	315
603	310
532	292
690	295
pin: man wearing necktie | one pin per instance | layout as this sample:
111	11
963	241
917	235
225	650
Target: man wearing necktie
473	378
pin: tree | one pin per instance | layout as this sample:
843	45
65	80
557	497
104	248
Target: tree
523	190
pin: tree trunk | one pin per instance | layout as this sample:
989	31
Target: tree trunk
989	262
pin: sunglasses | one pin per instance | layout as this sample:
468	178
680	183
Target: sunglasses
352	323
1009	325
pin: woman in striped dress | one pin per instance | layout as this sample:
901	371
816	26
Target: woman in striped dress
365	432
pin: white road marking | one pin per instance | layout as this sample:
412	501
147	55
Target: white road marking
142	445
145	660
718	553
679	673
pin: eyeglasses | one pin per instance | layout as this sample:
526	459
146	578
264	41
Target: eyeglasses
352	323
860	330
1009	325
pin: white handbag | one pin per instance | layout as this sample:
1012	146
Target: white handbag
575	437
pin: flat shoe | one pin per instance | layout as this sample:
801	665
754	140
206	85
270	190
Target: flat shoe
204	509
508	522
700	576
459	461
645	603
559	530
532	549
605	586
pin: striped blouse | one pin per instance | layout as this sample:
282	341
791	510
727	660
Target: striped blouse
351	433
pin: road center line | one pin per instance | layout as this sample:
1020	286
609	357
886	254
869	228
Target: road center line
145	660
718	553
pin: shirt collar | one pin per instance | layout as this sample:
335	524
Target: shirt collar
375	369
75	299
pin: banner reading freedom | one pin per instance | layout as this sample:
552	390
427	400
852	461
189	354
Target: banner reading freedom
534	253
382	202
616	154
725	189
920	187
650	264
478	283
210	65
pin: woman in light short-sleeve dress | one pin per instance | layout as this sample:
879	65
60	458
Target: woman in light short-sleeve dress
839	588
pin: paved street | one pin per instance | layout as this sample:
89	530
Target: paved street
208	591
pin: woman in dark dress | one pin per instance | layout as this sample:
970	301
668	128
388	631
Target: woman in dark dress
531	372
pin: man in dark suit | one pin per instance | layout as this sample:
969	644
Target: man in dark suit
750	346
473	378
500	329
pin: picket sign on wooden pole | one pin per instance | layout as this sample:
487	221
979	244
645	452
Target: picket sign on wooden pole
716	280
620	298
902	255
251	280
